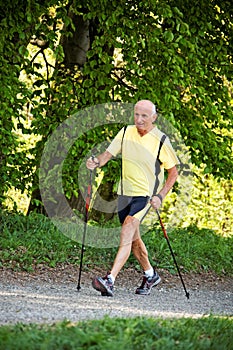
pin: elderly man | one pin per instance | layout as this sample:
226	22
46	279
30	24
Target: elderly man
146	152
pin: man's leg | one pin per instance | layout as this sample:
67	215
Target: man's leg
150	277
140	252
129	228
129	234
105	285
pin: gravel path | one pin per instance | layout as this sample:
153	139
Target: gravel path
36	299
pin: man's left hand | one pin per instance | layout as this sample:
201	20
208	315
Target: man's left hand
156	202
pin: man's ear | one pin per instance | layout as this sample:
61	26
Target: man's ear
155	117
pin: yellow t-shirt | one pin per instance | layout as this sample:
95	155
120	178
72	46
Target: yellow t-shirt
139	154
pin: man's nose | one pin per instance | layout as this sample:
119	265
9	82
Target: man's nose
139	118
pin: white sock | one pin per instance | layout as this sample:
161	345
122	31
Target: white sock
112	278
149	273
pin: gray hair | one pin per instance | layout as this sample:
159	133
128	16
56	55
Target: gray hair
154	109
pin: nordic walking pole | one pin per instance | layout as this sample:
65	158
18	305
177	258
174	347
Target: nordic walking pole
87	205
169	245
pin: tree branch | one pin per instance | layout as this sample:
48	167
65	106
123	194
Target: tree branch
121	80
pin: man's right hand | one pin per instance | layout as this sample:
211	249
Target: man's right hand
92	163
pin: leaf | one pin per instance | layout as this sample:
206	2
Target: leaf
169	36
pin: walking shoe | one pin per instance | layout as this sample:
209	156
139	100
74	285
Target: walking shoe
103	285
147	284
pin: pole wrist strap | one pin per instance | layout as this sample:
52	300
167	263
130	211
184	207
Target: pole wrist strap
159	196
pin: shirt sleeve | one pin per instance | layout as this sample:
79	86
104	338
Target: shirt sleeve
168	156
115	146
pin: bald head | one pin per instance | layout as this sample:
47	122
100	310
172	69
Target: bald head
146	105
144	116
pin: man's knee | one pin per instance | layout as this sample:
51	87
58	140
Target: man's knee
131	220
129	228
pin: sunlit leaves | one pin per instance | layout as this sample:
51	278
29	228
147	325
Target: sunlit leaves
179	56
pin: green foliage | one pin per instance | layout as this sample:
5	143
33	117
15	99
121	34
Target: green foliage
180	57
196	250
29	241
95	141
209	205
213	333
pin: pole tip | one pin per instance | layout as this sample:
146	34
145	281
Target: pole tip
187	295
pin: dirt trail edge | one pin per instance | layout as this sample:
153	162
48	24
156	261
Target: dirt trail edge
50	295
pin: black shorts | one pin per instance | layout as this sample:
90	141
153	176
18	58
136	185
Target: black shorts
130	206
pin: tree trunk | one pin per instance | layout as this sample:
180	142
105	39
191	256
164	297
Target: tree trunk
105	204
75	50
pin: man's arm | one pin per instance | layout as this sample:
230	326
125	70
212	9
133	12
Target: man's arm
171	179
99	161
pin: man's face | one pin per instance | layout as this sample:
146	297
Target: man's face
144	117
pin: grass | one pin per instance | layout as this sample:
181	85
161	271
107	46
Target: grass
196	250
30	241
137	333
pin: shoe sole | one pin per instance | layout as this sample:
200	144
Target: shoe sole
149	290
99	284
